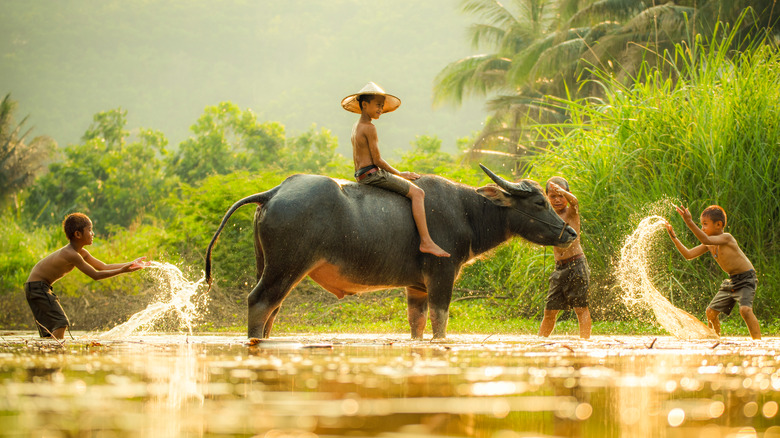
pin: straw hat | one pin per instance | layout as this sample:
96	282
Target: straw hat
350	102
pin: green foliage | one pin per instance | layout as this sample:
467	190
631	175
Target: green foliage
20	160
227	139
708	138
105	177
20	250
516	271
535	50
427	157
314	152
195	212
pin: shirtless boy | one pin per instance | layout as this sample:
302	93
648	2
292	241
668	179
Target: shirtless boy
740	287
49	316
569	282
371	169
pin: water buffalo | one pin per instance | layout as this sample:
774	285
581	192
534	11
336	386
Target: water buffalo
351	238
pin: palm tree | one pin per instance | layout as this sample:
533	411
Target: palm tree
20	162
532	53
542	49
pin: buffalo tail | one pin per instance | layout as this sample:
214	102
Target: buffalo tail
259	199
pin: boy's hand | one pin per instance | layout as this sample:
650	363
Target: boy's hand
670	230
137	264
409	175
683	211
554	188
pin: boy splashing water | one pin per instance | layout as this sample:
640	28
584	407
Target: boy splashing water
49	315
740	287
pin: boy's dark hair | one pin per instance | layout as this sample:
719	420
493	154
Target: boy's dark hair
561	181
75	222
363	98
715	213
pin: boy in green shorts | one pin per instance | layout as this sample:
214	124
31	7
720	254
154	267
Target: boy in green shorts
371	169
740	287
49	316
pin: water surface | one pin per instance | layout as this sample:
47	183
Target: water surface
499	386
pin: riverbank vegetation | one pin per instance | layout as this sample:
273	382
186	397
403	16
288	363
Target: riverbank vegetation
707	134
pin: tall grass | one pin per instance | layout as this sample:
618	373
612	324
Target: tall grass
709	136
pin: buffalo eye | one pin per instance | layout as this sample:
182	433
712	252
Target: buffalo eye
540	203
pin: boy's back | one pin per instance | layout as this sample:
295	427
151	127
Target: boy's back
361	153
55	265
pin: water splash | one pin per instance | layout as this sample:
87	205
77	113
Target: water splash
178	297
638	288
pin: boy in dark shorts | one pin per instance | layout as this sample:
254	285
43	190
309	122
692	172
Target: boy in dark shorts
371	169
569	282
49	316
740	287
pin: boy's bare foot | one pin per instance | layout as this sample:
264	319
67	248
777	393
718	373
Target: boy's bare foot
432	248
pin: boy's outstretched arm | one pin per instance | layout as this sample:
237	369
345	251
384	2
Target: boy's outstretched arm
100	266
97	270
689	254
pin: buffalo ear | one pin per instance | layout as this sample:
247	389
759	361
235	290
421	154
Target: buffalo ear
495	195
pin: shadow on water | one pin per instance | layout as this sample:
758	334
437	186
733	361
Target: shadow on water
384	385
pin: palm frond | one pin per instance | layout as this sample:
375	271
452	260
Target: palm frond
474	75
610	9
485	35
491	11
524	61
668	18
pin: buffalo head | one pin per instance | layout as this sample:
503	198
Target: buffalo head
529	213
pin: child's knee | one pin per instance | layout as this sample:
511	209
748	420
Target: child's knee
415	192
746	312
712	314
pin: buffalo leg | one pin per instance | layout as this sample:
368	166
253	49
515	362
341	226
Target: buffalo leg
266	298
259	256
270	323
439	296
417	310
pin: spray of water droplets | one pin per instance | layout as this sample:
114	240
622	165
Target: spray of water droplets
634	275
177	297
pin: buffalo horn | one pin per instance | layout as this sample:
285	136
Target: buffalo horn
521	187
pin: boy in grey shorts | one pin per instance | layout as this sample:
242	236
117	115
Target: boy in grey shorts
569	282
740	287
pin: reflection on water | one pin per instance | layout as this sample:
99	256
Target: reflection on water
384	385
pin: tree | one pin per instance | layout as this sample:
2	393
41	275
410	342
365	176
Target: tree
227	140
20	161
532	52
311	152
427	157
105	177
539	49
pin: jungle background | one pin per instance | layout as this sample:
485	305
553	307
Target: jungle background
636	103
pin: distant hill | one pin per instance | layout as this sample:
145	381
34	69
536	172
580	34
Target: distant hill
289	61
